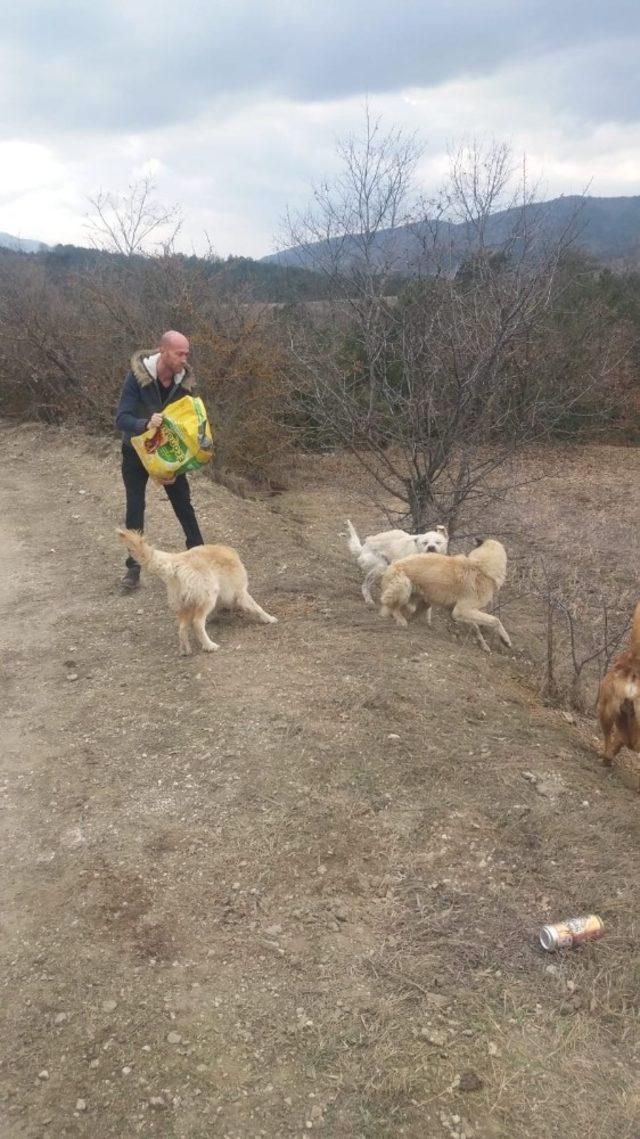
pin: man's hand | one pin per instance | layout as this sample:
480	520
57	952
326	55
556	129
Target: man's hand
155	421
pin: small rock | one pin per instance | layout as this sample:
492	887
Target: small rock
569	717
60	1017
548	788
273	930
126	1071
72	676
433	1036
43	1075
174	1038
109	1005
470	1082
156	1101
393	736
81	1105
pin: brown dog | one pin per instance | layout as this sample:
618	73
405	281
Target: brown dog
197	581
464	582
619	698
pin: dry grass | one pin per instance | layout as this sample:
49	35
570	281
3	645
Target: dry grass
320	856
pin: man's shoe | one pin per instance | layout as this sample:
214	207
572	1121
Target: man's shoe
131	580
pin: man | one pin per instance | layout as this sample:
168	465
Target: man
156	379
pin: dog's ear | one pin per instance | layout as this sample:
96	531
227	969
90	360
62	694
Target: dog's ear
479	541
443	530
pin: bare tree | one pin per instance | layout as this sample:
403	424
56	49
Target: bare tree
124	223
584	630
433	388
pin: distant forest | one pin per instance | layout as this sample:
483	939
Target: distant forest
259	281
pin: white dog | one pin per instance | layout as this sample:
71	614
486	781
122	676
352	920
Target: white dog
379	550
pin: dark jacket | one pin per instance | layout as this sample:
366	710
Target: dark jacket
142	394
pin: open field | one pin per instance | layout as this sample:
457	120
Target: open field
293	887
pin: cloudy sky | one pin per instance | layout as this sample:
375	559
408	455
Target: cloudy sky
234	108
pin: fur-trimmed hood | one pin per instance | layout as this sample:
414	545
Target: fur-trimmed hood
143	366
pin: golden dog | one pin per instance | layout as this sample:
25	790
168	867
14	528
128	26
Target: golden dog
465	582
619	698
197	581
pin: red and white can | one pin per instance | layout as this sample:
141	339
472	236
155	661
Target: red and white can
571	931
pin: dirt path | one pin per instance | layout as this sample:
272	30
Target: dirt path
292	886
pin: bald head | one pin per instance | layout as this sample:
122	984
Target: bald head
173	339
174	352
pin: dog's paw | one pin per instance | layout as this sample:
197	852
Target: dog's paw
185	652
271	620
211	647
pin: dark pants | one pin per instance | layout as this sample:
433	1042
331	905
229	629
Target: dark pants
135	481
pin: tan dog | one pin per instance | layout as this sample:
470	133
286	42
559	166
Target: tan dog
197	581
619	698
466	582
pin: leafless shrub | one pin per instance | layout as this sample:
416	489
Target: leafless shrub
437	389
584	630
68	335
124	223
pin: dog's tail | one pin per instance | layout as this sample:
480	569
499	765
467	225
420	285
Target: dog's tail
634	641
156	561
396	590
354	543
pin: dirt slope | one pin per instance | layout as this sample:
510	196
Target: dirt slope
292	886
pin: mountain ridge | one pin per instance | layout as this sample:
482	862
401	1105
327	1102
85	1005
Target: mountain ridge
607	229
22	244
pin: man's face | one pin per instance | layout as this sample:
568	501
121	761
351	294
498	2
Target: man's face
175	355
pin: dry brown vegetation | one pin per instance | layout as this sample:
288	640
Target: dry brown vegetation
69	332
295	887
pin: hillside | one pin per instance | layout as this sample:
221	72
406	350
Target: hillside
294	886
607	229
21	244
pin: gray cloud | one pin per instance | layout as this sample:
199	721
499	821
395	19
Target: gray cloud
235	107
131	67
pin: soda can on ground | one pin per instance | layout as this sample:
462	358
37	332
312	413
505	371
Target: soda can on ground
571	931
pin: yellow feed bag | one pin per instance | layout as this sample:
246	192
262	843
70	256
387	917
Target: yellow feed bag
183	443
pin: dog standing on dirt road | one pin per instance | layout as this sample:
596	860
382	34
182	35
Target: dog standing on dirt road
464	582
619	698
198	581
379	551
